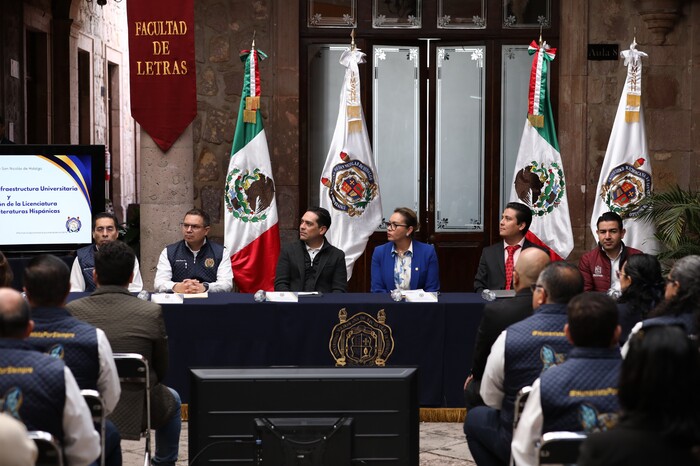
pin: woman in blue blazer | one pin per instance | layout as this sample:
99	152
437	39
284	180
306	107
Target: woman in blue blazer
403	262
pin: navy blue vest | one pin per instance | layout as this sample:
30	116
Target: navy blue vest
32	387
580	395
61	335
686	320
532	346
204	268
86	260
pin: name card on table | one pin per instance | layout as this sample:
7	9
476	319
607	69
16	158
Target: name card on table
281	297
419	296
167	298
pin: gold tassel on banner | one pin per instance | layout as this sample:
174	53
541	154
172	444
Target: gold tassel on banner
631	117
536	121
354	126
249	116
252	102
442	414
353	111
633	100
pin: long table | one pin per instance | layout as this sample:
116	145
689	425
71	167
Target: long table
229	329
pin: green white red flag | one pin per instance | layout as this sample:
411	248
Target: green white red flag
251	231
538	179
625	177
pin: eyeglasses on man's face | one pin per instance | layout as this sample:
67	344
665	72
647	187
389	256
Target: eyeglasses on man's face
394	225
188	226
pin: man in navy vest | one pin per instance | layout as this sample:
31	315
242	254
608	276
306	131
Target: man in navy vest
580	394
104	229
40	390
195	264
518	356
82	347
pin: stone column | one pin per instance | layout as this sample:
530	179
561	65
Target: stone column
166	194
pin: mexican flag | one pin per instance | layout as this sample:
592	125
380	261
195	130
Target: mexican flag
538	179
251	231
625	177
349	185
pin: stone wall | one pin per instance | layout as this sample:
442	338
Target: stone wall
222	30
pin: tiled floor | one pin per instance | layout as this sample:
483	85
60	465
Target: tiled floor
441	444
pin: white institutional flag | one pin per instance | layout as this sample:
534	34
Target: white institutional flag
349	186
625	178
538	180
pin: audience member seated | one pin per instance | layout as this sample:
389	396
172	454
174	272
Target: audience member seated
82	347
520	354
642	289
195	264
134	326
105	228
404	263
312	263
16	449
599	265
6	274
681	305
499	314
40	390
498	261
660	423
579	394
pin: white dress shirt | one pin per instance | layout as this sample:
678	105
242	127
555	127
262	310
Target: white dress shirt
491	390
164	274
77	280
529	431
81	442
108	380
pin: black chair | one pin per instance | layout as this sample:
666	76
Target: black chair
97	410
560	447
49	449
135	382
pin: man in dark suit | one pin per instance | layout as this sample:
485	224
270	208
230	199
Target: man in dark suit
495	259
312	264
500	314
134	326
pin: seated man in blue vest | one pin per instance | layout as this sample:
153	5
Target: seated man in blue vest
579	395
84	348
40	390
105	228
518	356
195	264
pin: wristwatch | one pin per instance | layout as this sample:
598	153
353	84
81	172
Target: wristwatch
206	286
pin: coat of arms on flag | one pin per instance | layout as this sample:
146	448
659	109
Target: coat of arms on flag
352	186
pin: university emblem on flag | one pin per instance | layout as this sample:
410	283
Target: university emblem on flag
249	194
361	340
541	186
351	187
625	187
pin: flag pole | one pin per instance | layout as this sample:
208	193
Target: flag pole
252	46
540	42
352	40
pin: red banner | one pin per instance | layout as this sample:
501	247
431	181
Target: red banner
162	67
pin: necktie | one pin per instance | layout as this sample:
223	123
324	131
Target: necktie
509	264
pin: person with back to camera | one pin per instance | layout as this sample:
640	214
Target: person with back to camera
681	305
642	289
660	422
404	263
6	274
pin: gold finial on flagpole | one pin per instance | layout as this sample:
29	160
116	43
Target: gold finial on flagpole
253	45
540	42
352	39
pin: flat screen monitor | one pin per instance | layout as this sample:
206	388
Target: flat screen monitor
228	405
48	196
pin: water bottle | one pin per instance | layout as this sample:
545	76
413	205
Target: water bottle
144	295
396	295
259	296
488	295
